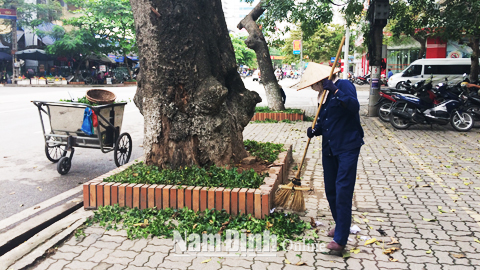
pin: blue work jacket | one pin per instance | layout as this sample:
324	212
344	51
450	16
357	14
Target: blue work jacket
339	120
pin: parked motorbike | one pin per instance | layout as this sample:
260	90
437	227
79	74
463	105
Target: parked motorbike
384	104
361	80
407	110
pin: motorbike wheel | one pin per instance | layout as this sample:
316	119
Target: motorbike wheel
398	122
461	121
400	86
384	111
474	111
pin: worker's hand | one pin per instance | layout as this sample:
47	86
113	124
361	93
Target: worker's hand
329	85
311	132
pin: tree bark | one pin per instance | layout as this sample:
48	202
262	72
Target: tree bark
423	46
474	69
256	41
194	103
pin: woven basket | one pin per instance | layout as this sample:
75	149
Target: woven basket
100	96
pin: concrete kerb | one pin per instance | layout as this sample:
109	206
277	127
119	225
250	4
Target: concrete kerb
28	252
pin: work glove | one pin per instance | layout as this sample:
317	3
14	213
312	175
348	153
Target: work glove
329	85
311	132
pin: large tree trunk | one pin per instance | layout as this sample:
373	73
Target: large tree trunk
194	103
256	41
423	46
474	69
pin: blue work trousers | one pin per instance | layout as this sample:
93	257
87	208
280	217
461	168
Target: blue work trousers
339	177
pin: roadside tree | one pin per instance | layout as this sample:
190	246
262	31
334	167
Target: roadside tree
309	14
194	103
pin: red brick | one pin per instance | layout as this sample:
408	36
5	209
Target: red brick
250	201
196	199
86	196
93	195
143	196
219	198
211	198
100	194
203	198
242	198
181	197
158	196
226	200
106	193
258	204
166	196
151	196
188	197
129	195
114	193
173	197
265	204
136	196
234	201
121	194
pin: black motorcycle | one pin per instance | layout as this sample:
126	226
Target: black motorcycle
420	110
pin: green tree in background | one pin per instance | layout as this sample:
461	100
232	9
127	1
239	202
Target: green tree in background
31	16
320	47
458	21
243	55
111	20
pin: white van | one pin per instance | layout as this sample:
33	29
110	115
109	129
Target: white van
440	68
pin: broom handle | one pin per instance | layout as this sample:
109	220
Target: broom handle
322	98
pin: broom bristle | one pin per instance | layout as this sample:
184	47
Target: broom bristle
298	202
283	196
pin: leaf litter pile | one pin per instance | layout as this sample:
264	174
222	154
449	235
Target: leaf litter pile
154	222
234	176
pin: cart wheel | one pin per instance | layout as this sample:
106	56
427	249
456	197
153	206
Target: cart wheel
123	149
54	152
63	166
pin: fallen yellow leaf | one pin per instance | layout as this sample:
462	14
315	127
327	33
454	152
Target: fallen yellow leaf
300	263
390	250
476	240
370	241
366	220
287	261
207	260
379	219
404	197
357	220
429	251
355	250
394	241
458	256
392	259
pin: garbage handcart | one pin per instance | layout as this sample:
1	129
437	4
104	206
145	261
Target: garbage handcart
65	121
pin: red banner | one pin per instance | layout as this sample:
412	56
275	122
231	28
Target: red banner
8	14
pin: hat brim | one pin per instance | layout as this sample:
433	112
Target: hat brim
314	73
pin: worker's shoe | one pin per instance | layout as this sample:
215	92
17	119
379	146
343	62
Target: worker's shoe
335	247
331	233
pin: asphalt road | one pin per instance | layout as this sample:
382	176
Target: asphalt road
27	177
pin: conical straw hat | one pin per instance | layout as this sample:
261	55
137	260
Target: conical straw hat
313	74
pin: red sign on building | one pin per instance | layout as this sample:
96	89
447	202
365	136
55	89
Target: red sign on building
9	14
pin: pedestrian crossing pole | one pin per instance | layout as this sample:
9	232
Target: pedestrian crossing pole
378	12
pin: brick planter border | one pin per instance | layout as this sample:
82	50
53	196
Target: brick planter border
129	83
257	202
76	83
277	116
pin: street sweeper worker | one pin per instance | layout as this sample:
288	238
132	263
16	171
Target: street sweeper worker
342	136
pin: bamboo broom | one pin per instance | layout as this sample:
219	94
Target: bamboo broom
293	191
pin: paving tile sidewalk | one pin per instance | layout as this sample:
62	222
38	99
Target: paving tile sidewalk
405	178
